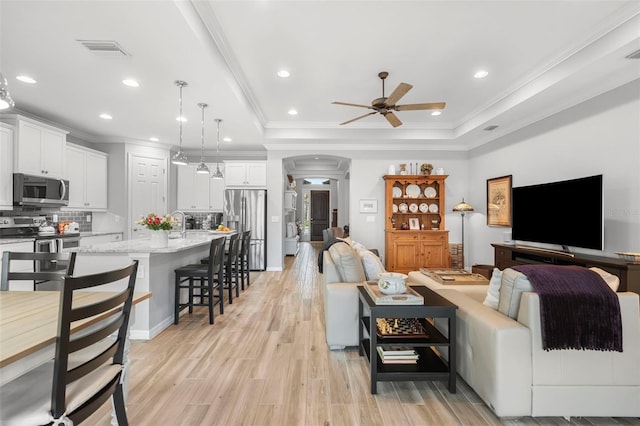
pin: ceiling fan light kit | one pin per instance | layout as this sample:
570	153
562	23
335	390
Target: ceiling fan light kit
180	159
386	105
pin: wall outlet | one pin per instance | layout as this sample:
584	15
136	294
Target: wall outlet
55	218
88	218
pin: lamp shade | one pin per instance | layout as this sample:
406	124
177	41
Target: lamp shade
463	207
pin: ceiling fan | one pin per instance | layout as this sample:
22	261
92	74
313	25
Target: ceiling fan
386	105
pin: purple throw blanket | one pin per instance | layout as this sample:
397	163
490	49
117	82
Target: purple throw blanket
578	310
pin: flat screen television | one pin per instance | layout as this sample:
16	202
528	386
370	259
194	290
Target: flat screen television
567	213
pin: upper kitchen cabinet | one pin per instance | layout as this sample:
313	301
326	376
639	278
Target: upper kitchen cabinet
6	167
241	174
87	174
39	149
193	189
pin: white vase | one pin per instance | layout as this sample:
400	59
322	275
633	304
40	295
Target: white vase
159	239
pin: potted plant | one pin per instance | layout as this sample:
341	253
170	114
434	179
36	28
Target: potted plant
426	168
160	225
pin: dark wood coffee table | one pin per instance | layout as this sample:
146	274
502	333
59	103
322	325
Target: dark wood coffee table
431	365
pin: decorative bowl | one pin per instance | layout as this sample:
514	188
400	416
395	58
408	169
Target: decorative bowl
392	282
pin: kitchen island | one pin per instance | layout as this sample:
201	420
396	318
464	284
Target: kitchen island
155	273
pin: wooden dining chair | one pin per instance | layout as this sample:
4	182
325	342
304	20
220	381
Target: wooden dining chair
88	366
41	270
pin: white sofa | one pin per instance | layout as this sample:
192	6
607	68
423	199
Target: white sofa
503	361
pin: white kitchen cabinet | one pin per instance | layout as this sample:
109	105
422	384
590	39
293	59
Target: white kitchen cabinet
6	167
39	149
216	190
88	175
290	198
246	174
19	265
193	189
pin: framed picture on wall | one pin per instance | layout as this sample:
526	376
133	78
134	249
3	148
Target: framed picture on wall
414	223
369	206
499	201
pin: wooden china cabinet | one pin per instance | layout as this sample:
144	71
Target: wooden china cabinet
415	201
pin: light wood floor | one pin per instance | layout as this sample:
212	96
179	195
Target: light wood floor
265	362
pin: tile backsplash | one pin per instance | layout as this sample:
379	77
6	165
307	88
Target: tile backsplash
73	216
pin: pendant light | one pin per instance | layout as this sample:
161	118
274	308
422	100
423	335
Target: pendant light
202	168
217	174
5	98
180	159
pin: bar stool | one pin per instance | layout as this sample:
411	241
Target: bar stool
243	258
231	275
211	272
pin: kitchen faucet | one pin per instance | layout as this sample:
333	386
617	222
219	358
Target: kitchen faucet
183	222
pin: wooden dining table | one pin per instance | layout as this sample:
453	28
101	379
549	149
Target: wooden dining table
28	327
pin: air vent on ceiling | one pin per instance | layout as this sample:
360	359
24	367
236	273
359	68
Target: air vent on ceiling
103	46
490	128
634	55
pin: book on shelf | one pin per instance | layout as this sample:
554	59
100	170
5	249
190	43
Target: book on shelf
390	356
409	297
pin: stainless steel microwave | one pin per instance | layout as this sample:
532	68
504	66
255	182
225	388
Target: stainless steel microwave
39	191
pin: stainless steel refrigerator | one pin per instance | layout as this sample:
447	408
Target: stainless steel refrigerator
246	210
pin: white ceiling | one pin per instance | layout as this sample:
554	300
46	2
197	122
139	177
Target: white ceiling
542	57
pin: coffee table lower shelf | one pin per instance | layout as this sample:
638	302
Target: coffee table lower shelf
429	366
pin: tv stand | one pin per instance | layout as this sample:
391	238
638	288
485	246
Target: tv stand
564	252
507	256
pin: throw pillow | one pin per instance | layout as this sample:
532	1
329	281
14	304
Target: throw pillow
514	283
347	262
346	240
493	293
612	280
371	264
357	246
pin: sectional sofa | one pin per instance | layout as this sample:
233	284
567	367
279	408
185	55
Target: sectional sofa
501	357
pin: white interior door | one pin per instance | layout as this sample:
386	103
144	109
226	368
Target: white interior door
147	190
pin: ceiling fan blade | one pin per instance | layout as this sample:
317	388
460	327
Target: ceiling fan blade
355	105
358	118
414	107
400	91
392	119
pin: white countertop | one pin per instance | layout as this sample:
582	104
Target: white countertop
144	245
10	240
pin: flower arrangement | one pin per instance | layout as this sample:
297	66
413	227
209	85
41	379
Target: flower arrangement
157	223
426	168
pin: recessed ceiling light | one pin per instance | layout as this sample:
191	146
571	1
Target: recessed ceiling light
106	116
130	82
227	139
183	119
481	74
283	73
436	113
26	79
293	112
154	139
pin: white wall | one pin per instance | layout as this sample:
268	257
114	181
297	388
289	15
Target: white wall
367	170
600	136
